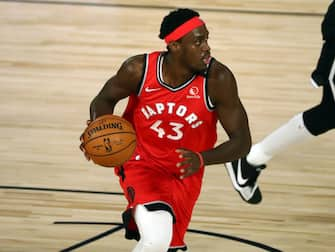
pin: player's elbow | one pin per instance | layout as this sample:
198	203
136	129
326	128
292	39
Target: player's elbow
101	105
93	108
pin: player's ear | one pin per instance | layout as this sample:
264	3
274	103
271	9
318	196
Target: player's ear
174	46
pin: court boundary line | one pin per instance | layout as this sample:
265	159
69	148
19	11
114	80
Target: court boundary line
56	190
120	226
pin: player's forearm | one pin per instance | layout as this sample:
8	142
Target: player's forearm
227	151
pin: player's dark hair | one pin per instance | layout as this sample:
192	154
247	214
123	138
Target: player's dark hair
174	19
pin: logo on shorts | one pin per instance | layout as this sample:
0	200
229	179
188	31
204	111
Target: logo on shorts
131	193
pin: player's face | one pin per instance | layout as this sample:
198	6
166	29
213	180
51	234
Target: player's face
195	51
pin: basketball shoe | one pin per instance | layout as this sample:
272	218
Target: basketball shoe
244	178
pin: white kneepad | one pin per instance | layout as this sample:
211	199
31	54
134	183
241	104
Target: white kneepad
155	228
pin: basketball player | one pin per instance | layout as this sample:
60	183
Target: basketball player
306	125
175	100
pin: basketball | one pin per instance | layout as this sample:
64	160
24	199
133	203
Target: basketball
109	140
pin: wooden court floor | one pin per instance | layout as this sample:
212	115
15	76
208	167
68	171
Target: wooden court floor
56	55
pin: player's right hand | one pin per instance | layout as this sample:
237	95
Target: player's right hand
81	146
189	162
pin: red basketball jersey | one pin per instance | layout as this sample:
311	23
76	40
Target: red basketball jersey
166	118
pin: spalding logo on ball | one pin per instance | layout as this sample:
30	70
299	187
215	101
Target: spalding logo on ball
109	140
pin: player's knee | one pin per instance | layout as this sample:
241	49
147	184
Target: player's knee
158	238
332	122
318	119
155	228
155	244
327	109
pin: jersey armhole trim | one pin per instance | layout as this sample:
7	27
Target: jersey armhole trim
208	102
144	75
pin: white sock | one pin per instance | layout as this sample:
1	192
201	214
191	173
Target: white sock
294	131
155	228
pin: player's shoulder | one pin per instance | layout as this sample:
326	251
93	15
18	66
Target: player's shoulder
132	69
221	82
134	64
219	73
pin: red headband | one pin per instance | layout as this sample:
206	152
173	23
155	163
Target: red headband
183	29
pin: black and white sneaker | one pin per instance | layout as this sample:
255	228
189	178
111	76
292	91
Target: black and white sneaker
244	178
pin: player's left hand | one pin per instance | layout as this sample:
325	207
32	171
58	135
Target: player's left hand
189	164
81	146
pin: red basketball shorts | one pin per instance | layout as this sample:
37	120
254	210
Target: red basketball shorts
159	189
